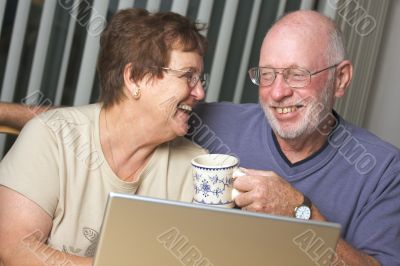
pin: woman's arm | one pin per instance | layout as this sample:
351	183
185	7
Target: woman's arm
24	228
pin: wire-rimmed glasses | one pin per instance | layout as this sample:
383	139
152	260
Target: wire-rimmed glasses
191	77
295	77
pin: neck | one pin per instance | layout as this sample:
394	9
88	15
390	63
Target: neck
127	140
302	147
299	149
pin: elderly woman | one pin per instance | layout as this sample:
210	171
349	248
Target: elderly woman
56	178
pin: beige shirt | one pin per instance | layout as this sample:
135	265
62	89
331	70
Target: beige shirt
58	163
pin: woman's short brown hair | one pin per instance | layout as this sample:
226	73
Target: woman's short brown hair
144	40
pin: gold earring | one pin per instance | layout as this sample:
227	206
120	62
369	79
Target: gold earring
136	94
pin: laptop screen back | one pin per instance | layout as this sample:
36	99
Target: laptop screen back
146	231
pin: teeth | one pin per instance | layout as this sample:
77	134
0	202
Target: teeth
286	110
185	107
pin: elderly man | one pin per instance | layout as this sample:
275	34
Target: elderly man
319	166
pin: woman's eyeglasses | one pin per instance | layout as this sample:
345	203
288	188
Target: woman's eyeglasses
191	77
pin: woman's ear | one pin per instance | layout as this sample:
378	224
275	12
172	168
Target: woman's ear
344	74
129	83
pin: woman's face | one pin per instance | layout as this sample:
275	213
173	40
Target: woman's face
170	99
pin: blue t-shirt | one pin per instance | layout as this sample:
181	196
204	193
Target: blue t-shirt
354	179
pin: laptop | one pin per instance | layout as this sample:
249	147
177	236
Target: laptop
145	231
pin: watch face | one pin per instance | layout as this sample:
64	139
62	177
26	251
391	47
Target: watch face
303	212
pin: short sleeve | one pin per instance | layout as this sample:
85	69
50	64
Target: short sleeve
30	167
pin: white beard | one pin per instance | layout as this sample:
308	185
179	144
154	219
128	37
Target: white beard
314	110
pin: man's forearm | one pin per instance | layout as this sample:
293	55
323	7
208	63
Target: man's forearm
350	256
345	253
17	115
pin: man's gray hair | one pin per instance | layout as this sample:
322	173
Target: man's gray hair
336	51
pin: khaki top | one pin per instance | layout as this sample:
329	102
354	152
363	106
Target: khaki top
57	162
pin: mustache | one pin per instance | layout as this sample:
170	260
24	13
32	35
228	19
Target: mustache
290	102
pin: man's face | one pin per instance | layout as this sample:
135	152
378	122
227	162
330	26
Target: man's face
296	112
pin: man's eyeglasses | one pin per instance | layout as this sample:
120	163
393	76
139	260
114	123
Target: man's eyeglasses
191	77
294	77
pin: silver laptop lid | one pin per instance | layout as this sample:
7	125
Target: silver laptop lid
146	231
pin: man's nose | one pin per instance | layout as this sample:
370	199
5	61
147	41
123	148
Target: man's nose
280	89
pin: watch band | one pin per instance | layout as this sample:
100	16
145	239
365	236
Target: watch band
307	202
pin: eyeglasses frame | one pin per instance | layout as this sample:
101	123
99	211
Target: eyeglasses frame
282	72
185	74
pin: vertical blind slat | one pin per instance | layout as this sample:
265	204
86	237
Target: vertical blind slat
255	12
221	50
204	13
281	8
125	4
153	5
328	8
66	53
307	4
41	47
88	65
180	6
2	10
15	52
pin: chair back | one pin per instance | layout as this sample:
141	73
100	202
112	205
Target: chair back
8	130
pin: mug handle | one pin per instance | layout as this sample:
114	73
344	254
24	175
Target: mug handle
236	173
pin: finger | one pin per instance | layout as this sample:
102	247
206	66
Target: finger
245	183
235	193
253	207
255	172
243	200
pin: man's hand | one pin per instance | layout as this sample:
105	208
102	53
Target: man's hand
267	192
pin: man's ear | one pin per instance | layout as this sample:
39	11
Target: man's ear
344	74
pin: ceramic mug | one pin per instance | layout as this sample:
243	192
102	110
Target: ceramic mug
213	176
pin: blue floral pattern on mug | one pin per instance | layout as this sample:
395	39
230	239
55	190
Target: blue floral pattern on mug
212	185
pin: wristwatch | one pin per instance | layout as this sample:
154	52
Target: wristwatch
303	211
